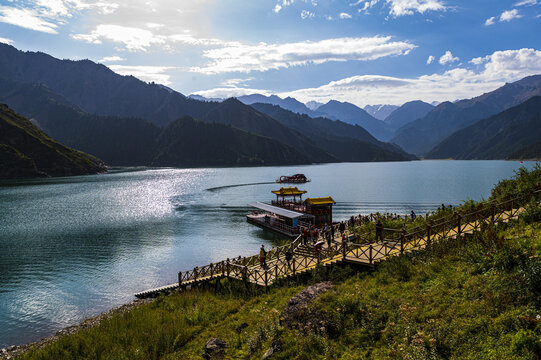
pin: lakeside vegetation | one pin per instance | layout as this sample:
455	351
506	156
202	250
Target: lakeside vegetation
476	297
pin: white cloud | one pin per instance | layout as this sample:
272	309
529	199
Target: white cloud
526	2
146	73
490	21
152	25
509	15
406	7
263	57
6	41
305	14
132	38
345	16
26	18
47	15
137	39
111	59
448	58
277	8
236	82
510	65
430	59
227	92
495	70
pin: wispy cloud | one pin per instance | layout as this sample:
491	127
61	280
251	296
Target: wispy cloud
132	38
140	39
109	59
155	74
47	15
448	58
227	92
263	57
509	15
305	14
6	41
489	73
27	18
490	21
404	7
345	16
526	3
430	60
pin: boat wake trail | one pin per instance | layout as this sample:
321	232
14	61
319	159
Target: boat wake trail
213	189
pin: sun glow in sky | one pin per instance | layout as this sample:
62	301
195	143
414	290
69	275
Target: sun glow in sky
361	51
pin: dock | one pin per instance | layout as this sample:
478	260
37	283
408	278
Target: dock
357	249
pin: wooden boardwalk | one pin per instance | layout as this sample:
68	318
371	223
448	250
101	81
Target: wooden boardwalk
358	249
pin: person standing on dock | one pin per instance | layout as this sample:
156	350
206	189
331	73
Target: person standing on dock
262	257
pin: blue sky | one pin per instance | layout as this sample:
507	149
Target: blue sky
361	51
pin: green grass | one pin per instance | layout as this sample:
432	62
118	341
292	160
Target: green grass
477	297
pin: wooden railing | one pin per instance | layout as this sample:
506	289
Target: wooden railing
360	247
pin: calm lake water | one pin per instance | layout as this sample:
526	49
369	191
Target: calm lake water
74	247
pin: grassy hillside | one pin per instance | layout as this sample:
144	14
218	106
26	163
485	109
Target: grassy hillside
26	151
473	298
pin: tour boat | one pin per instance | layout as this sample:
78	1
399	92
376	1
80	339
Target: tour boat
297	178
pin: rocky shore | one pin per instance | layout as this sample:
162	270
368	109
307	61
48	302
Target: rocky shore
13	351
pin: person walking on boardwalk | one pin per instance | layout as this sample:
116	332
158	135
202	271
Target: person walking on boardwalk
262	256
289	256
379	230
328	237
342	227
413	216
305	236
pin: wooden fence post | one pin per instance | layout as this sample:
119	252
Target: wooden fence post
343	249
370	260
402	240
428	234
179	278
211	266
493	214
459	224
276	271
223	268
228	267
245	274
195	273
266	279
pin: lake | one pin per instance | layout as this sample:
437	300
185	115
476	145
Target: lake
75	247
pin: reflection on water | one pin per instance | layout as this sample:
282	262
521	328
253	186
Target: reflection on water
74	247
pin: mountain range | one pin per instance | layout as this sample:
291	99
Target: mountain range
422	135
125	121
506	135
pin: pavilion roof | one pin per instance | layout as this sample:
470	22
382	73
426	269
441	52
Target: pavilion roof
320	200
289	191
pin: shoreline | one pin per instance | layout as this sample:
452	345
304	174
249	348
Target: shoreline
13	351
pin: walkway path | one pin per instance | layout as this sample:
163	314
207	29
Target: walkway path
357	249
